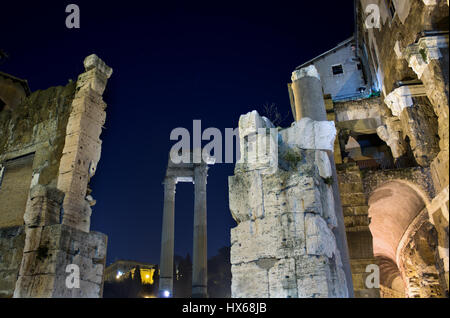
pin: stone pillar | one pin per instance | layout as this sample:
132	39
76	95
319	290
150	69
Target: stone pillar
199	265
309	102
167	239
283	245
308	94
50	248
82	147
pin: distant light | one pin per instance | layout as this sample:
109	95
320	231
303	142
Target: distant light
147	276
166	293
119	274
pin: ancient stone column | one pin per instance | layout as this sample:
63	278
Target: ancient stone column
309	102
308	94
199	265
167	239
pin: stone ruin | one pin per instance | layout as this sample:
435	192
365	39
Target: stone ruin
49	150
286	242
195	170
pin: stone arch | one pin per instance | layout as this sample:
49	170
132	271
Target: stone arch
401	233
418	178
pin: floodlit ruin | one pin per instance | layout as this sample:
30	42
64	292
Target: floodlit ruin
350	200
386	90
49	150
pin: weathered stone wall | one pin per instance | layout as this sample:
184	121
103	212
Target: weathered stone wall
419	260
362	116
13	91
381	42
43	270
409	57
46	127
82	147
15	183
12	241
34	129
283	244
356	218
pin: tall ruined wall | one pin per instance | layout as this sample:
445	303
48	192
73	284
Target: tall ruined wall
281	198
356	218
39	238
36	130
408	54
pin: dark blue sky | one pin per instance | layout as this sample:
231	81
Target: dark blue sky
173	62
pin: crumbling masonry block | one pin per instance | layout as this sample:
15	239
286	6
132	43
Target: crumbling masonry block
283	245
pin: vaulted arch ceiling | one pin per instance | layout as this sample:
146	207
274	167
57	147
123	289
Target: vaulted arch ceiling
392	208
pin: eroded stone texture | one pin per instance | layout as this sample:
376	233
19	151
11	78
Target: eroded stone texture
420	124
283	245
82	147
417	256
356	219
46	256
392	134
12	241
55	130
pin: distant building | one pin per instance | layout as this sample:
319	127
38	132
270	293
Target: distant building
123	269
342	72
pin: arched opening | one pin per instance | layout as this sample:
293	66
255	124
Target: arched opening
404	242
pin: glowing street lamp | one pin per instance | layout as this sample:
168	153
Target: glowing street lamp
165	294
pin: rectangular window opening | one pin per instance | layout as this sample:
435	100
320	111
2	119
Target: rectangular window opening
337	69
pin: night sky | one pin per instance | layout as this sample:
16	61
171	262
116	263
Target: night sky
173	62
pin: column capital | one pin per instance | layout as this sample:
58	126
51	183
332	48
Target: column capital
427	48
310	71
93	61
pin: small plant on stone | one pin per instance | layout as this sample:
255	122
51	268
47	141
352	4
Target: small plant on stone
292	158
423	53
271	112
328	180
